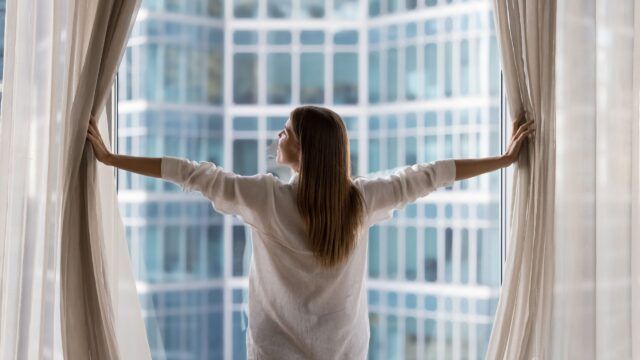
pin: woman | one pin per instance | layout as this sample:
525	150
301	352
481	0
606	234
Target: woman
306	284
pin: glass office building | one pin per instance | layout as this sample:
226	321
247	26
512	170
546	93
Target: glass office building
415	81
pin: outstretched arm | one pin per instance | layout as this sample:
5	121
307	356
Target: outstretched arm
466	168
149	166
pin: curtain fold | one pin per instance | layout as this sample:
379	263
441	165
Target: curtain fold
526	38
596	299
66	285
87	296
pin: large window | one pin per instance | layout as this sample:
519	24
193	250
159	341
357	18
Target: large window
415	81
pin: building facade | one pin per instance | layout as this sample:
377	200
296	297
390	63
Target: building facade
215	80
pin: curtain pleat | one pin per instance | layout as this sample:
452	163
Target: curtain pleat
88	317
526	38
596	297
66	283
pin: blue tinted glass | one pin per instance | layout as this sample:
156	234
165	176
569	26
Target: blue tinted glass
345	78
430	254
374	77
431	119
279	78
276	123
245	78
431	27
464	22
374	123
245	8
348	37
411	301
431	211
392	32
312	37
374	8
245	123
448	118
279	37
312	78
374	36
245	157
245	37
410	30
392	122
448	24
374	253
431	71
279	8
374	297
411	254
392	299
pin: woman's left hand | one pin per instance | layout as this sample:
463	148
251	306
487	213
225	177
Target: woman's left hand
522	130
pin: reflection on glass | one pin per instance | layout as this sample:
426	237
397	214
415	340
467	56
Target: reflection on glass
279	78
279	8
312	78
345	78
245	8
245	78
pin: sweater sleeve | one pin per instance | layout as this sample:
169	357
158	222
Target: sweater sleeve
383	195
248	197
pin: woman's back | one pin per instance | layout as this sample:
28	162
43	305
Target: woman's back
298	308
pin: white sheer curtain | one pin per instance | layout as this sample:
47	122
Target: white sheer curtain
596	302
572	280
67	288
526	36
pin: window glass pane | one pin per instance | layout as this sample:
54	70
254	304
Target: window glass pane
374	155
349	37
279	37
448	66
410	73
464	67
431	254
279	8
374	8
374	76
345	9
245	157
312	78
279	78
392	74
245	78
246	123
410	254
410	338
215	256
345	78
239	335
374	252
214	71
392	252
276	123
431	70
241	251
245	8
171	85
245	37
312	37
312	8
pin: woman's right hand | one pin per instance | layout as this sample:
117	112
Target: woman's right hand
99	148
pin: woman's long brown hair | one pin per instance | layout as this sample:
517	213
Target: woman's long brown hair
331	206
